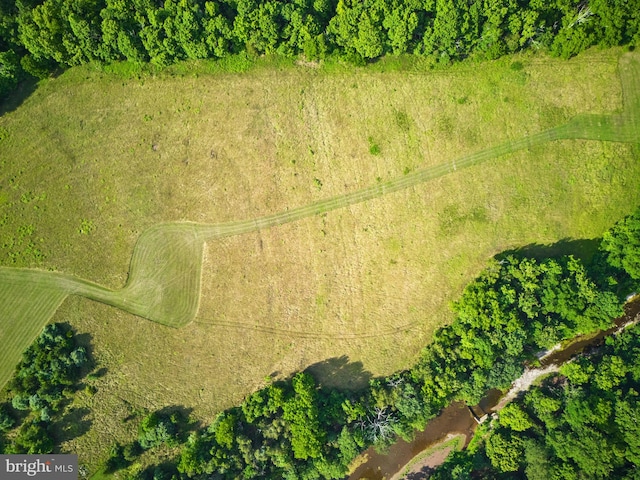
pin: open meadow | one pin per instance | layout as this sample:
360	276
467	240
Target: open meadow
92	159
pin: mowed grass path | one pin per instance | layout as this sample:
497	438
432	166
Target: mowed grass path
164	281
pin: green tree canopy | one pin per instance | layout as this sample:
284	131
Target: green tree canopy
621	245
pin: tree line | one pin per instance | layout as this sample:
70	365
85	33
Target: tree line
37	37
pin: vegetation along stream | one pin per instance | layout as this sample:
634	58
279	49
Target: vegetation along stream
457	418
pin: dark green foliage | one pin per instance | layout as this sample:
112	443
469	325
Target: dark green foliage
616	264
505	451
48	370
33	438
621	245
618	21
162	473
286	430
20	402
10	72
6	418
131	451
122	456
157	429
515	308
458	466
582	423
44	381
571	41
116	460
54	33
301	412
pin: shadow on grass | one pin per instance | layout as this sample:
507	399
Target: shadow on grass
18	96
90	370
584	249
164	470
83	340
72	425
181	416
101	372
340	373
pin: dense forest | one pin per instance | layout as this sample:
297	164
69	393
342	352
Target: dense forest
580	423
38	37
296	429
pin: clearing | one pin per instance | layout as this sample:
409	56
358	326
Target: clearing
290	217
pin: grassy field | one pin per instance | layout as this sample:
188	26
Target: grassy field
93	159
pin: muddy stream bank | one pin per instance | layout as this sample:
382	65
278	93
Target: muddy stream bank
458	418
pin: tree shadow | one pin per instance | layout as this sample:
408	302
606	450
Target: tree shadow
84	340
100	372
18	96
340	373
73	424
424	473
584	249
87	371
164	470
182	415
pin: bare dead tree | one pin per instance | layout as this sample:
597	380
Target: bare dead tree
583	16
393	382
379	424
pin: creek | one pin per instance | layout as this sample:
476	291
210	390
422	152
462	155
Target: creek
457	418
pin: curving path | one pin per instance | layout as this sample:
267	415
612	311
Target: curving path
165	271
